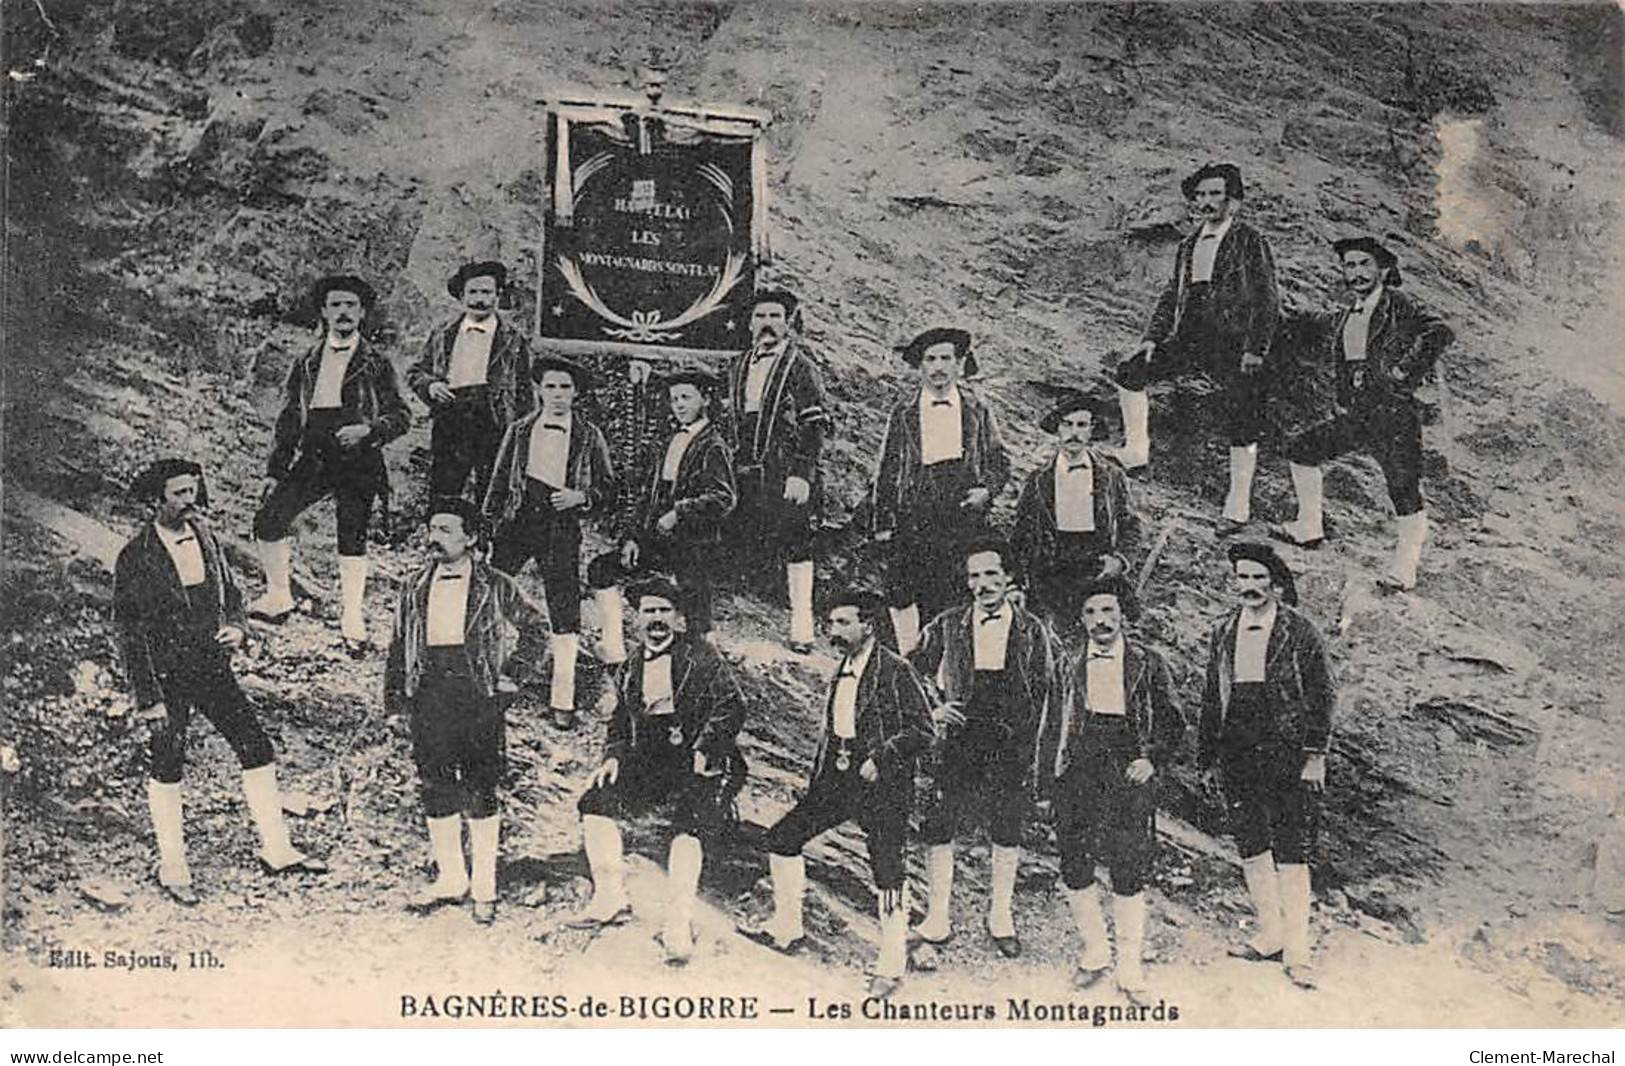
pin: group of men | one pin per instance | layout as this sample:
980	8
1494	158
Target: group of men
1001	667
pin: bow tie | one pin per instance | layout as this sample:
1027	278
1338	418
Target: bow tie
994	617
341	346
184	540
1093	654
650	656
762	353
556	427
450	577
476	327
846	671
1210	236
942	403
1072	468
1256	627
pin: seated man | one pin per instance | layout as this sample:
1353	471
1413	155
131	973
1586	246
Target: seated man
671	745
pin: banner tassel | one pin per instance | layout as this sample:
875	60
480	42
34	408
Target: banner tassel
758	198
563	193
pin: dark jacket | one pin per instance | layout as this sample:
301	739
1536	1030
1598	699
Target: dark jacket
790	429
370	388
587	468
154	613
946	660
897	481
1033	540
494	600
893	720
710	706
703	494
507	373
1402	344
1242	291
1148	691
1297	673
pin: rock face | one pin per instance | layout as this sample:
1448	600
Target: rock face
180	174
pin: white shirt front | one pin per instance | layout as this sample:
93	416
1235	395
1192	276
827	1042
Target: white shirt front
550	450
679	447
847	679
1074	495
941	427
657	675
1253	643
756	377
990	635
471	353
1103	669
336	355
1207	249
1357	327
448	603
185	552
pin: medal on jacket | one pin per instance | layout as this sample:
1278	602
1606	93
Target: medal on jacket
675	734
843	760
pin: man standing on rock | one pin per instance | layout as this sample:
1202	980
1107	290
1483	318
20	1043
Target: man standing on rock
876	726
1384	345
342	403
778	418
941	465
1074	521
1266	726
1218	314
552	471
446	669
689	495
1098	762
474	373
993	668
672	744
180	615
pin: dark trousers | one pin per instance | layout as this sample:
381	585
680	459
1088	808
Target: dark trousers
207	685
458	739
553	539
926	563
1271	809
1387	429
766	528
324	468
1102	818
661	779
1200	347
691	565
463	440
980	762
835	796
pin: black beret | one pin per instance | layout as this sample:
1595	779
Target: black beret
657	585
578	373
472	522
342	283
1280	573
1231	174
149	483
468	271
1074	401
700	379
1386	260
868	602
914	350
781	296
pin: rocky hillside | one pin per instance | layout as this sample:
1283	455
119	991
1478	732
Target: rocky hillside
179	172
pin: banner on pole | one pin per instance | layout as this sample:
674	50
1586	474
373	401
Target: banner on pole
657	224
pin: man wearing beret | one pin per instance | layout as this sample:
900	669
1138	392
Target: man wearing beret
1383	345
941	465
672	745
689	495
991	666
1266	726
341	404
778	418
1098	762
446	669
876	727
474	373
1075	521
552	471
180	615
1218	314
